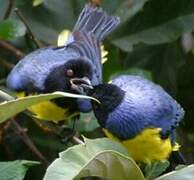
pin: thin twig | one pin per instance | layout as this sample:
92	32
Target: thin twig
11	48
3	128
77	140
6	64
5	96
25	138
2	81
30	33
9	9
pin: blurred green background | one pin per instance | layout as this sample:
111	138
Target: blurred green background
154	40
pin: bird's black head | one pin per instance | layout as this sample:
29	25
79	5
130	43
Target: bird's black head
110	96
69	76
73	77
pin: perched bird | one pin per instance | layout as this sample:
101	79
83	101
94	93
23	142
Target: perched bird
141	115
65	68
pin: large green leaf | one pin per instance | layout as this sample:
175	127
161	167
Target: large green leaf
15	169
136	72
101	157
160	21
186	173
3	7
128	9
162	61
155	169
10	29
50	17
62	14
12	107
87	122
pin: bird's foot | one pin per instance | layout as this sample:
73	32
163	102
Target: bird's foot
67	134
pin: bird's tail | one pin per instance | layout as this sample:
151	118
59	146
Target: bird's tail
94	20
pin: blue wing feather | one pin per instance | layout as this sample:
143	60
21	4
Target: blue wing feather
145	105
92	27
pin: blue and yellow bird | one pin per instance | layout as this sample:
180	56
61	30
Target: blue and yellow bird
65	68
141	115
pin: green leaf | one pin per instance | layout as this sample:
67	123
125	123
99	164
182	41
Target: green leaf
135	71
87	122
3	7
192	51
15	169
155	169
114	65
128	9
155	59
184	173
100	157
51	17
11	29
37	2
160	22
10	108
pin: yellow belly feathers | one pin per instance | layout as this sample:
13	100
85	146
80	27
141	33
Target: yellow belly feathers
147	146
47	110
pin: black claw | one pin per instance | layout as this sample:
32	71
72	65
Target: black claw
67	134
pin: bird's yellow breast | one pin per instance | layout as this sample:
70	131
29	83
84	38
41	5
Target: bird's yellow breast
47	110
147	146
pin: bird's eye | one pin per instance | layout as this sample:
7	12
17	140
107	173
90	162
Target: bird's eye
70	72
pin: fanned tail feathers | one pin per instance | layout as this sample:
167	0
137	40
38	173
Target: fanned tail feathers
94	20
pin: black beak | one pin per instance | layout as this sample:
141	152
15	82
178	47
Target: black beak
81	85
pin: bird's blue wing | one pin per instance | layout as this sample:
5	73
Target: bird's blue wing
145	105
34	68
92	27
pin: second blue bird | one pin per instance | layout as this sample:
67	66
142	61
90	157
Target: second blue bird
139	114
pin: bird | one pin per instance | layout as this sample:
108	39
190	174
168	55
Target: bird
65	68
141	115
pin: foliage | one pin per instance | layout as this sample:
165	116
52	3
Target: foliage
184	173
10	108
15	169
10	29
94	158
155	169
149	42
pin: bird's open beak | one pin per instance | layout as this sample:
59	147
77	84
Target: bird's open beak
81	85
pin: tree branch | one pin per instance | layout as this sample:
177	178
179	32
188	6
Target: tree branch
11	48
77	140
9	9
30	33
6	64
25	138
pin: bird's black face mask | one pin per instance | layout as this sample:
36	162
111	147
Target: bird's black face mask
73	77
